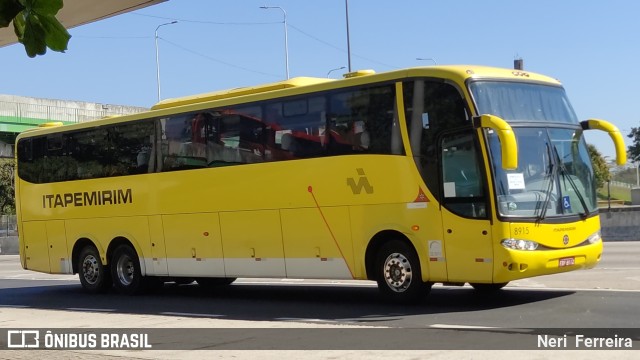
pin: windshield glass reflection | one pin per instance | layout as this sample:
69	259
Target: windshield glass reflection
528	102
554	173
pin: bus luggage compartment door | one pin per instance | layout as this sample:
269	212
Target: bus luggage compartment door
35	247
252	243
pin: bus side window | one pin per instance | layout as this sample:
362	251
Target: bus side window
364	120
431	107
31	160
178	149
462	180
298	127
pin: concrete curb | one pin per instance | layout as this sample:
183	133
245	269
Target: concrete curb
9	245
620	223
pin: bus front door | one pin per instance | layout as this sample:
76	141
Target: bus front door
467	229
468	249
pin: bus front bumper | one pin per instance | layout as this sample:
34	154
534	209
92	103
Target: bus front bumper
519	264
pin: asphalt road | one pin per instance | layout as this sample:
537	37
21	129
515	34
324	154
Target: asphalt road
266	311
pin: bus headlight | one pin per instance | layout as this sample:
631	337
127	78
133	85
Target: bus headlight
594	238
519	244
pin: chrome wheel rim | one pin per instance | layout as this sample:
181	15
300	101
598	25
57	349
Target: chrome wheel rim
125	270
91	269
397	272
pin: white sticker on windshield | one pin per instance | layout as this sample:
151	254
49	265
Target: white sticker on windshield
449	189
515	181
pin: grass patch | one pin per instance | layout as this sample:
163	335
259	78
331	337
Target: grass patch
617	193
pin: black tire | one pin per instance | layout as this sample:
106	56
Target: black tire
488	288
94	276
399	275
125	271
213	282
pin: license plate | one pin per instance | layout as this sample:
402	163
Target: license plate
568	261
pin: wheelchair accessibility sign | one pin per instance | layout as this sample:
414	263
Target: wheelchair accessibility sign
566	203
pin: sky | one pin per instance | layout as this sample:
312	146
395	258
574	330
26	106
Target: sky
589	45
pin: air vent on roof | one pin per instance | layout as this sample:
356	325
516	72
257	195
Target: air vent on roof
358	73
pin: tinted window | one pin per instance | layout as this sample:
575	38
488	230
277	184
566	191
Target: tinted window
348	121
523	101
431	107
364	120
123	149
462	177
297	128
212	138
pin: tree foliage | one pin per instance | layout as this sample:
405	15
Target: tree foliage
600	167
35	24
634	150
7	189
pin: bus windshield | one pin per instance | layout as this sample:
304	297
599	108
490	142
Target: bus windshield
523	102
554	175
553	178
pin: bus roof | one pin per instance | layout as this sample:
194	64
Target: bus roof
464	72
461	72
224	94
456	73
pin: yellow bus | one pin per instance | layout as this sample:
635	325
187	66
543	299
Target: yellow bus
439	174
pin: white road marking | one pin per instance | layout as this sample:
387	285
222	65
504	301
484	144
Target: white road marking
90	309
189	314
451	326
304	319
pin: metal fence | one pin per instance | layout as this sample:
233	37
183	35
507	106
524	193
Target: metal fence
8	225
622	184
60	113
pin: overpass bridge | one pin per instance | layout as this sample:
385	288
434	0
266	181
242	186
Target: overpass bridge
18	113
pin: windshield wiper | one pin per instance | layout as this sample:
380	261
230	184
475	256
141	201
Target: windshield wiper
552	177
566	175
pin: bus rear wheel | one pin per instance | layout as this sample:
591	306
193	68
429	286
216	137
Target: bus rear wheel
399	275
125	270
94	276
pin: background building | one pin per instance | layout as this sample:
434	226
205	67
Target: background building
19	113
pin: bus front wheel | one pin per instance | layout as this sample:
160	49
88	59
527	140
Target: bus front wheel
399	275
94	276
125	270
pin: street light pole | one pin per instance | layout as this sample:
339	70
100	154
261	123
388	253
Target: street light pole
158	56
286	37
608	183
346	10
427	59
332	70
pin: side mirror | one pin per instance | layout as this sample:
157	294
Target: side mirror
614	133
507	138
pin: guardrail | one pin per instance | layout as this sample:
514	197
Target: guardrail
612	202
26	113
622	184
